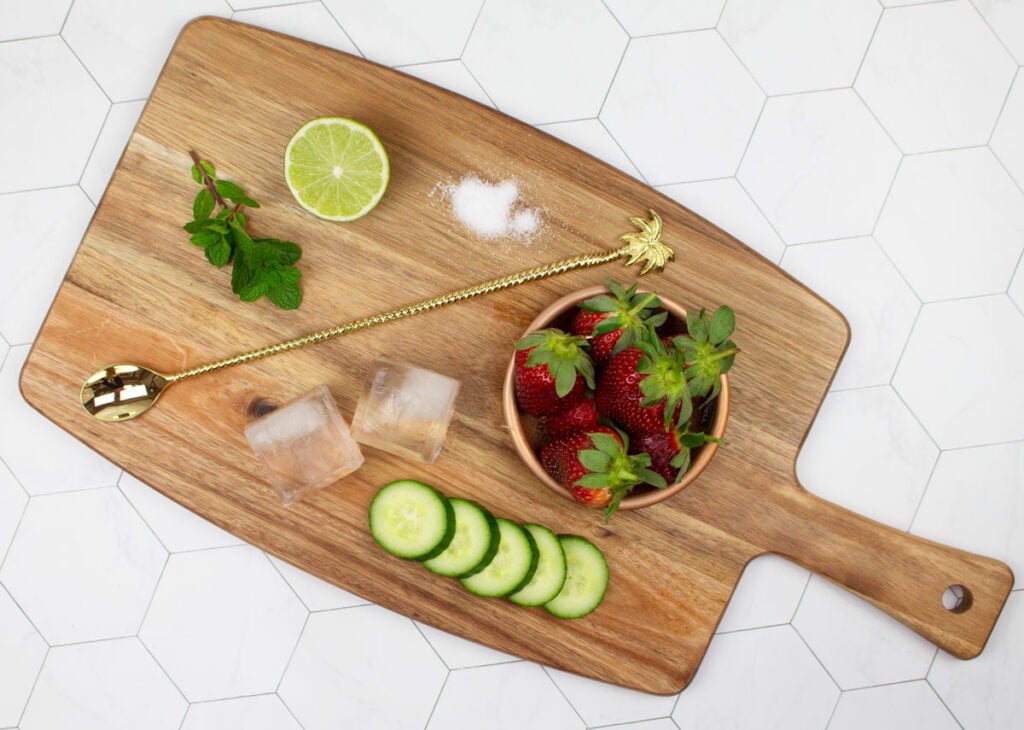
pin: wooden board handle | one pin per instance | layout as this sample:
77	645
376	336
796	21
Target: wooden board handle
904	575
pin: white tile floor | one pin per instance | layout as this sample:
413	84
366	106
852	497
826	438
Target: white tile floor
874	150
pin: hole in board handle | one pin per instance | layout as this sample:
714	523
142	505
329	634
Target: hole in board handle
957	598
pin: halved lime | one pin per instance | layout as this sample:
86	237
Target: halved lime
336	168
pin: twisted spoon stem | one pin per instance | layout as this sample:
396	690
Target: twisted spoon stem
487	287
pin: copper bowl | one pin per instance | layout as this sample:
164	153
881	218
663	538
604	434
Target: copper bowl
526	434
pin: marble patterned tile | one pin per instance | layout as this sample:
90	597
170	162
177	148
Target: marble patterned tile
792	46
780	682
124	44
866	452
662	723
767	594
256	4
38	18
725	203
936	76
399	32
258	712
649	108
942	351
593	138
83	566
451	75
104	685
1016	289
38	247
42	81
953	224
347	665
223	623
27	441
459	653
12	505
600	703
315	594
819	166
177	527
526	57
858	644
1007	141
856	277
22	651
1006	19
110	144
975	502
492	697
308	21
655	17
984	693
904	706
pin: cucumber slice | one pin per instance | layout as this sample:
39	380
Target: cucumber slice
549	577
411	520
512	567
474	545
585	582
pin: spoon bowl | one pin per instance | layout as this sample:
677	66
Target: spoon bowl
122	391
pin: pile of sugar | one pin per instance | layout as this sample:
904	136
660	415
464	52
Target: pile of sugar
492	210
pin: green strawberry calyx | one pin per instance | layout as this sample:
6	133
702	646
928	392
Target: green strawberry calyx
564	354
688	441
665	379
627	310
611	467
708	349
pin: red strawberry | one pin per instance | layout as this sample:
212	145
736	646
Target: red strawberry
551	372
643	388
614	321
582	416
600	497
670	450
596	468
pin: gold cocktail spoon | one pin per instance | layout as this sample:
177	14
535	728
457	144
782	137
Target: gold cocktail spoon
122	391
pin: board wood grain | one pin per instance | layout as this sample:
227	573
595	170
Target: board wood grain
138	291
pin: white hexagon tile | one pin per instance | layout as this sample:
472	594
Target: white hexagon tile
873	150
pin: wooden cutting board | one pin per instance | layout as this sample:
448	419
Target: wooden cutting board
139	291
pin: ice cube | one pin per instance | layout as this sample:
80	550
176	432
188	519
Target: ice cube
304	445
404	410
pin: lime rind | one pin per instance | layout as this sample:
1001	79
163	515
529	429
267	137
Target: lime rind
336	168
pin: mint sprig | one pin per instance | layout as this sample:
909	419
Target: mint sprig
260	267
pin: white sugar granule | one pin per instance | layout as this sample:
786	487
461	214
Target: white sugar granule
492	210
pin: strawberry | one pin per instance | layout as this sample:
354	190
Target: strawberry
596	467
581	416
643	388
614	321
670	450
600	497
552	371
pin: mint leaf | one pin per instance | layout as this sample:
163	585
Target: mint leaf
203	204
219	253
288	296
205	237
259	267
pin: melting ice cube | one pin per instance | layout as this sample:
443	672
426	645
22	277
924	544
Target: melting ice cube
404	410
304	445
